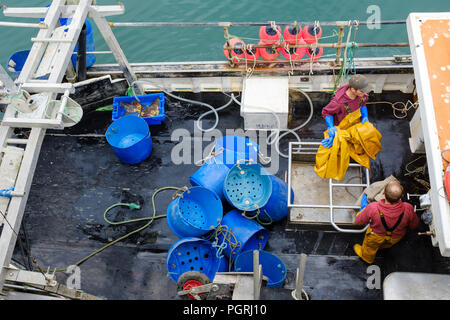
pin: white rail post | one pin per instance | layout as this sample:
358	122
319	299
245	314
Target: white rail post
114	46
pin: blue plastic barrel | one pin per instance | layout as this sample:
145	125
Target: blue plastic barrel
211	175
192	254
241	234
231	149
276	208
195	212
247	187
129	138
17	61
272	266
90	45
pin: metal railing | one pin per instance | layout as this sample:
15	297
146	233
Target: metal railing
310	148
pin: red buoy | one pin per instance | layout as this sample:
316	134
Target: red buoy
318	53
311	33
292	33
251	53
269	35
268	53
294	53
236	54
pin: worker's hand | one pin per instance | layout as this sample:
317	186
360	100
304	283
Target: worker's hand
328	142
364	115
364	202
332	131
331	128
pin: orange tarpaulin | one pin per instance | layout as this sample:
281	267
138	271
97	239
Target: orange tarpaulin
436	44
352	140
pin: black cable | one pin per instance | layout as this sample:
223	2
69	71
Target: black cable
17	236
27	246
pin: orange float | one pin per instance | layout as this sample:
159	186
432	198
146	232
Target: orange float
294	53
318	53
311	33
292	33
236	54
268	54
269	35
251	53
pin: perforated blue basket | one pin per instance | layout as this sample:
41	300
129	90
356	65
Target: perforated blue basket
232	149
247	187
192	254
194	213
241	234
272	266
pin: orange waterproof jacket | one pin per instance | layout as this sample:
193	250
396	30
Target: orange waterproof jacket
352	140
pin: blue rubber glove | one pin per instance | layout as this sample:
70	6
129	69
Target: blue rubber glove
364	115
328	142
364	202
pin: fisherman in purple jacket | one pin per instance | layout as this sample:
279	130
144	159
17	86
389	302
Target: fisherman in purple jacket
347	99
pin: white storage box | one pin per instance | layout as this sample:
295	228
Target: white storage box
261	98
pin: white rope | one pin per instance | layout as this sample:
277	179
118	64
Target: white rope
294	295
249	48
212	155
287	49
408	105
313	47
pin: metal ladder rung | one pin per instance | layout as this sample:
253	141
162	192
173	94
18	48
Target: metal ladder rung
349	185
16	141
33	123
45	86
51	40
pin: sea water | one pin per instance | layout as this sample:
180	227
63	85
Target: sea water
158	44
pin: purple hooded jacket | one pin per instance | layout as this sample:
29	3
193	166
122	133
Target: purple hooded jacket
336	107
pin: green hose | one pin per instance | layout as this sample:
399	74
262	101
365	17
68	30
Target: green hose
132	206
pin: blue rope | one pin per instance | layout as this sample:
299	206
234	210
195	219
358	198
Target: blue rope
6	192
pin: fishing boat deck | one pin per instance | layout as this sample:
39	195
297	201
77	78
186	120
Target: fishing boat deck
78	176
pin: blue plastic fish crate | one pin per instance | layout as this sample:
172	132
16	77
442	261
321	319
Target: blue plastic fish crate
119	111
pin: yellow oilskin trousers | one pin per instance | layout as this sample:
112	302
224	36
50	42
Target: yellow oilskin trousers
352	140
372	243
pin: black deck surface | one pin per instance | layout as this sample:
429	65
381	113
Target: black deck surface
77	178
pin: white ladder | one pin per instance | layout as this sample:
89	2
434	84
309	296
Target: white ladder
55	48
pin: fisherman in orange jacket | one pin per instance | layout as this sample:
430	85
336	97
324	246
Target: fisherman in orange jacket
389	220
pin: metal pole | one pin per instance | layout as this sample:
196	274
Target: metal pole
256	275
227	37
81	55
338	51
243	24
115	47
289	173
300	276
41	25
325	45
